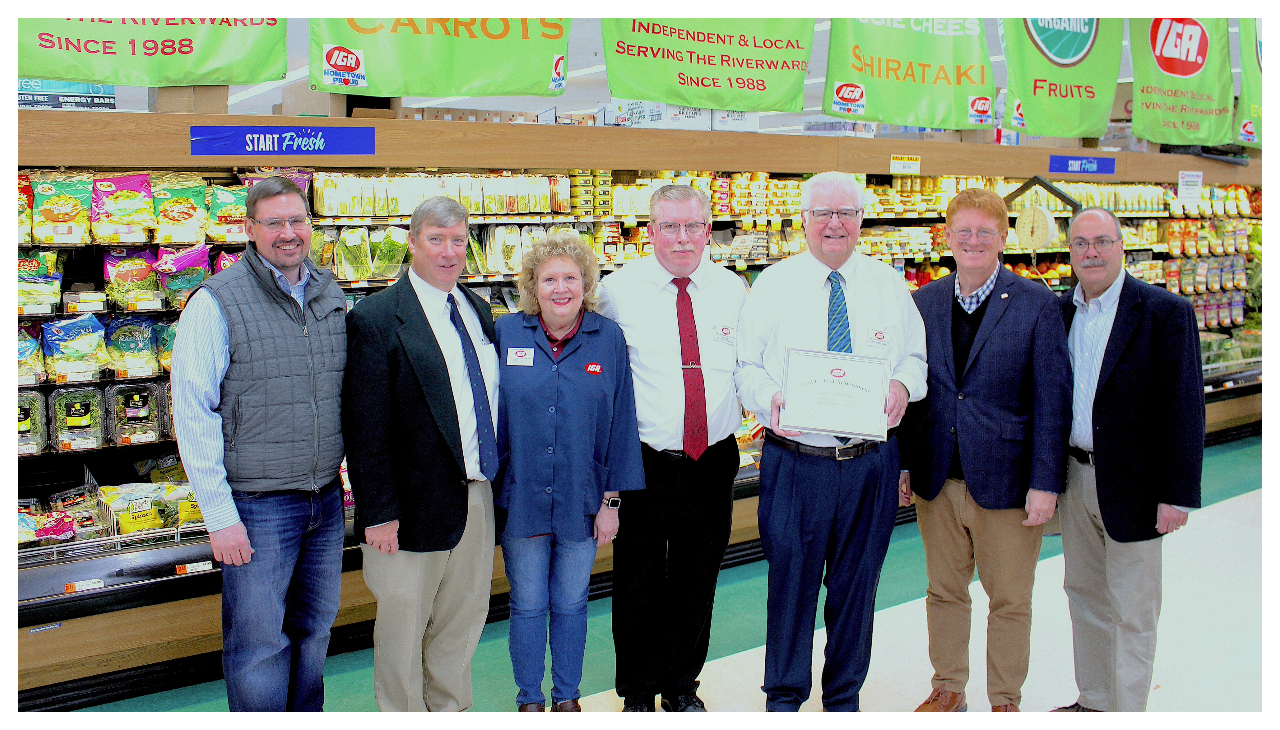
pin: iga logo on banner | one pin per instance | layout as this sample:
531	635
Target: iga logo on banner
980	110
837	373
1180	46
850	99
343	67
1246	131
557	73
1016	119
1063	42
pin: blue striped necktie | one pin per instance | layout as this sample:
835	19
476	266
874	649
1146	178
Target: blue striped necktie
837	317
488	444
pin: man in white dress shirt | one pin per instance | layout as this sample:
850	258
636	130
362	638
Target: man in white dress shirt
679	313
826	503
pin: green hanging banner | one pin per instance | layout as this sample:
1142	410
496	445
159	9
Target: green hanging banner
1182	88
439	56
1061	74
1248	124
153	51
743	64
926	72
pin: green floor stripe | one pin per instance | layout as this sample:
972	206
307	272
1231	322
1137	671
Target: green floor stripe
738	624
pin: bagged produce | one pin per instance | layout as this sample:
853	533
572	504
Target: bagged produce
75	418
135	506
395	244
181	504
55	527
228	258
131	346
323	240
32	431
29	519
30	359
351	260
181	271
74	349
227	213
181	213
134	413
82	505
39	278
166	415
24	208
165	332
127	271
122	207
301	176
60	206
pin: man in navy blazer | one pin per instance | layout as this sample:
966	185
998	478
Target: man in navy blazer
1136	453
985	451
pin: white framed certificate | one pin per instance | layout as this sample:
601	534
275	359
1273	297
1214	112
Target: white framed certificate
836	393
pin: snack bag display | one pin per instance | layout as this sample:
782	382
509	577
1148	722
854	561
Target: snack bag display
75	417
391	253
351	260
226	259
181	213
301	176
24	208
122	208
128	271
61	202
181	271
32	426
75	350
227	213
30	359
134	413
131	346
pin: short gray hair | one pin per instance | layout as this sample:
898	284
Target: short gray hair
832	179
437	212
269	188
1109	214
680	194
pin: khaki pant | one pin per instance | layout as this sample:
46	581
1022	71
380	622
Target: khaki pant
1113	590
431	610
958	534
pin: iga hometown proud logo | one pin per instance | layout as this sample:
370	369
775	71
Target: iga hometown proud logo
343	67
1180	46
849	99
980	110
1064	42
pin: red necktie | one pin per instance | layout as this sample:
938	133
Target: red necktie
695	398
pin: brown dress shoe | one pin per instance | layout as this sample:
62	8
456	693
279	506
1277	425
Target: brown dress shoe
567	706
944	701
1005	708
532	707
1074	707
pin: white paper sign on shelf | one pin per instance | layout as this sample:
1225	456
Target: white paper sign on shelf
1190	182
904	164
83	585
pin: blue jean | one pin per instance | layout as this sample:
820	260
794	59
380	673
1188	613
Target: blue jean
548	573
278	608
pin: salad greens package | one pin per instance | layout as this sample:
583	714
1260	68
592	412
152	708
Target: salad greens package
181	213
134	413
227	213
75	418
81	504
351	260
74	349
301	176
60	206
55	527
32	431
181	271
129	270
323	240
148	505
30	358
165	332
30	516
122	207
166	414
131	346
24	208
39	278
394	245
181	505
226	259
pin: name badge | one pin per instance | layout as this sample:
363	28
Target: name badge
725	334
520	356
878	338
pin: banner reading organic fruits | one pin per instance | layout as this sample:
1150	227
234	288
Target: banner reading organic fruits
926	72
440	56
153	51
754	65
1248	123
1061	74
1182	89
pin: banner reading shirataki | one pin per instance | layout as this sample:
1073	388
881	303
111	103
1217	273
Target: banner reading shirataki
440	56
926	72
1248	124
1061	74
1182	88
153	51
744	64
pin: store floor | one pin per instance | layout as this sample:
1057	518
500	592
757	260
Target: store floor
1211	569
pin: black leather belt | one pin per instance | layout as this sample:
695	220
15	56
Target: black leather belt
1080	455
839	453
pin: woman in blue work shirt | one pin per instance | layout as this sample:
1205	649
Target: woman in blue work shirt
568	444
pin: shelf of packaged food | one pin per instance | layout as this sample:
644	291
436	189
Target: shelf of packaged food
49	451
36	311
125	244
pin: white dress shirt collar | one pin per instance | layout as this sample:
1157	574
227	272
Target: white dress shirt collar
660	277
428	294
1107	300
821	271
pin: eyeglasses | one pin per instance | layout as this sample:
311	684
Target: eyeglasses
964	234
1101	245
822	215
673	229
275	225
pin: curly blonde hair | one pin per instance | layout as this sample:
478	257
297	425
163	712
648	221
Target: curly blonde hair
563	243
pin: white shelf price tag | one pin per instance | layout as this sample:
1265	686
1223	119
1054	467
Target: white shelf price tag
195	567
904	164
83	585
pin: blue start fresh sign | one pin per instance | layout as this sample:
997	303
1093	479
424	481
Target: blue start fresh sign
239	141
1082	165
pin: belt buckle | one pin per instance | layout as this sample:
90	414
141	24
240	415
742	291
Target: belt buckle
850	447
1090	453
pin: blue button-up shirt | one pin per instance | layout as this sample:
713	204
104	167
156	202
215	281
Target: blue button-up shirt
566	427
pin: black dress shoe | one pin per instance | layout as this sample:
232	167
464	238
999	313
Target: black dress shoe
637	705
683	703
1074	707
533	707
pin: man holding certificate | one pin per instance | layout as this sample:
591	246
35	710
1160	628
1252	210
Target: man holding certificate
828	326
986	450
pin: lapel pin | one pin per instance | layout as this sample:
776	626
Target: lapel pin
1004	295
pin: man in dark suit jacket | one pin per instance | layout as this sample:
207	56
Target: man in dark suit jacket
985	450
418	403
1137	449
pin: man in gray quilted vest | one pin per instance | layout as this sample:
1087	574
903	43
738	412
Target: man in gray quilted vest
257	386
